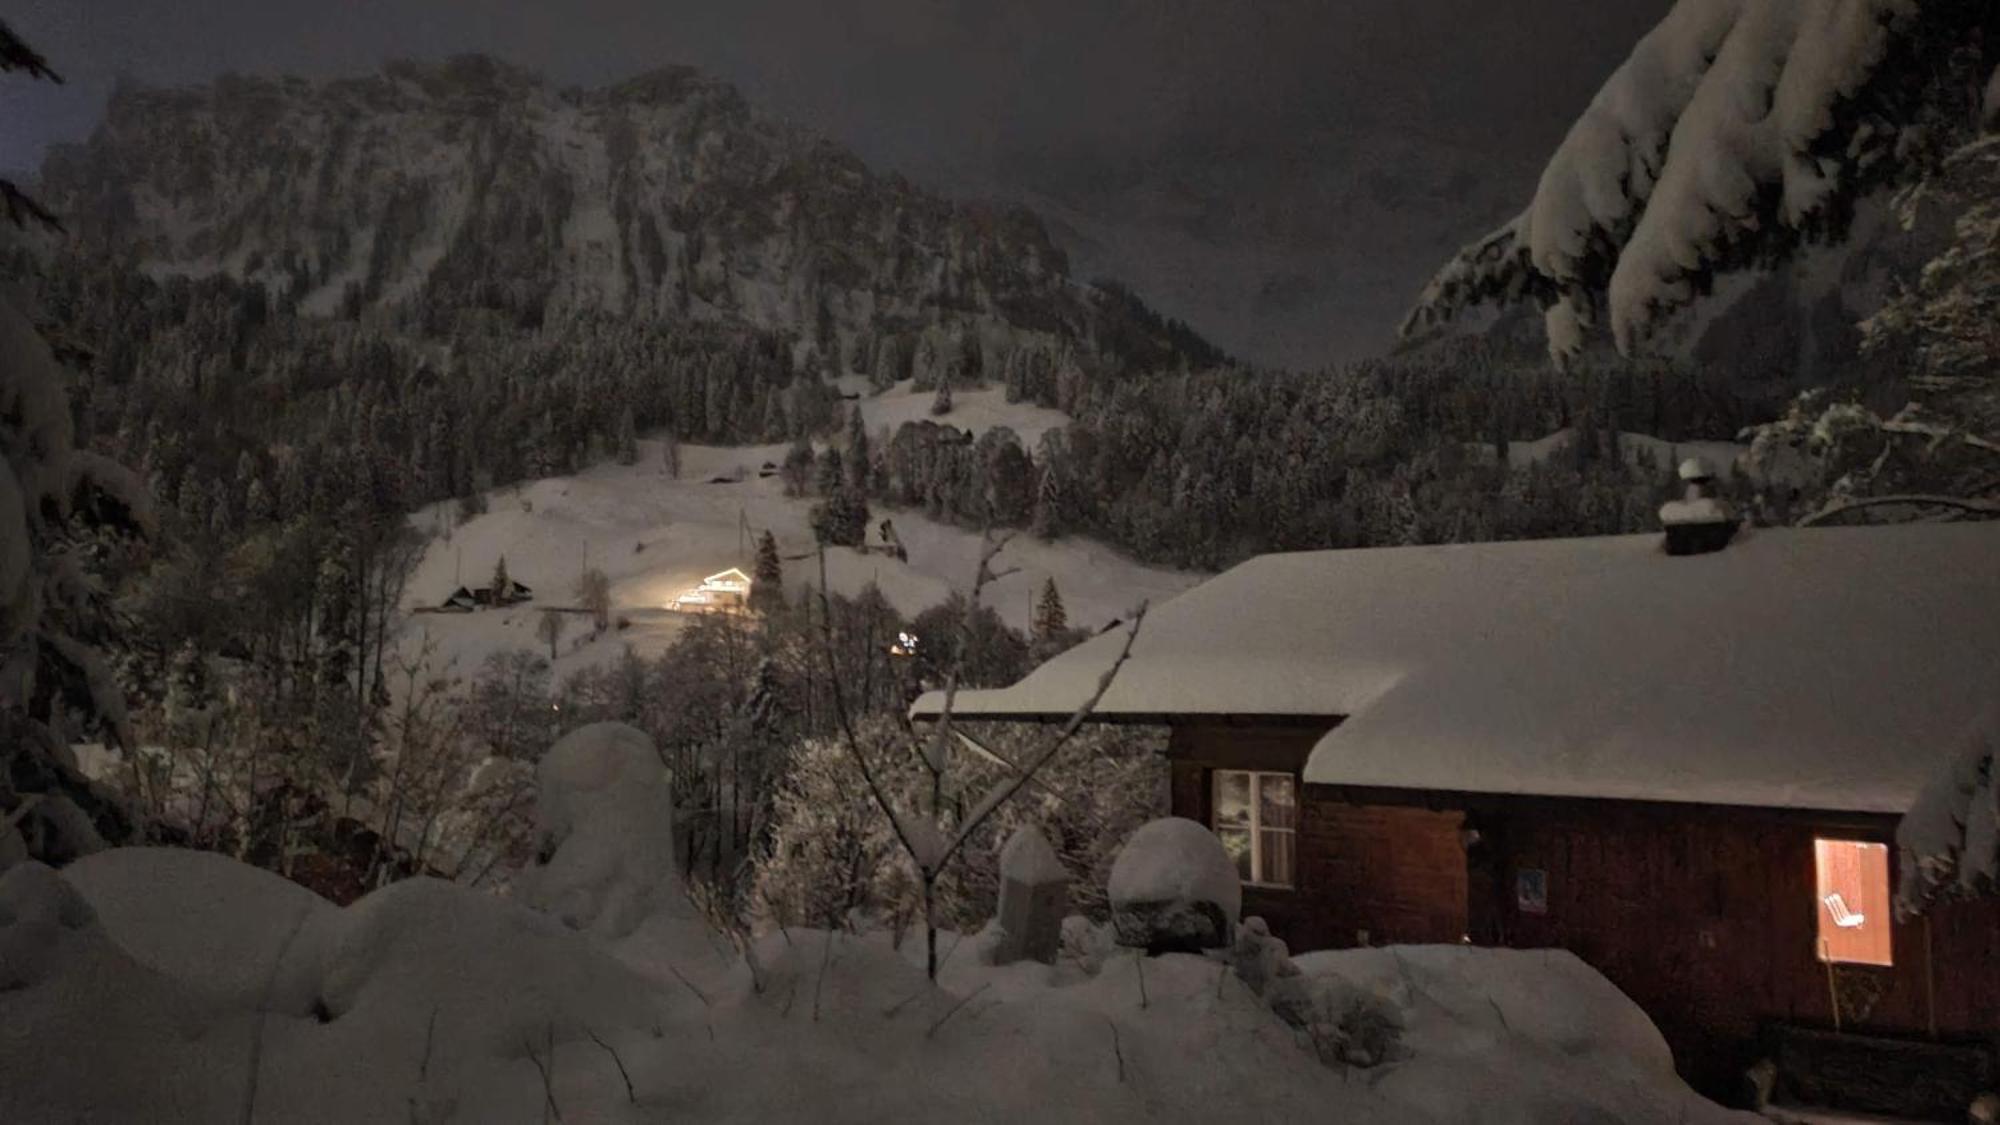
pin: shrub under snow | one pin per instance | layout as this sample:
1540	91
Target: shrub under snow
1175	887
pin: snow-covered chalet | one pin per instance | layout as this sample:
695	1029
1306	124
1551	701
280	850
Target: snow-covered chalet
1686	770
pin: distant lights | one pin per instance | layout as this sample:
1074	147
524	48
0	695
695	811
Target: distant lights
906	645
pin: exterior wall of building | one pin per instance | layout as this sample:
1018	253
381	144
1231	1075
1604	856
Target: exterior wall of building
1367	874
1706	916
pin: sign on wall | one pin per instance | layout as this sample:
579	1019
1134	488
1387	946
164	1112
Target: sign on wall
1531	890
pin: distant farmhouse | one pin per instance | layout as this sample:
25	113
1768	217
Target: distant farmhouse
1687	770
463	600
728	591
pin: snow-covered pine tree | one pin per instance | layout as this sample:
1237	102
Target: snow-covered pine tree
1051	619
1732	134
627	438
1940	452
830	476
857	456
501	582
55	685
767	589
17	55
941	402
797	471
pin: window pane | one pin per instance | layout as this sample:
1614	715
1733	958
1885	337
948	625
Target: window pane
1277	803
1232	799
1278	857
1853	904
1236	841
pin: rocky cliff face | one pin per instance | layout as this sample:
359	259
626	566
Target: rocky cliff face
474	185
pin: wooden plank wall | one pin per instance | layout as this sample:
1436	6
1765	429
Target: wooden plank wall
1708	918
1705	915
1392	874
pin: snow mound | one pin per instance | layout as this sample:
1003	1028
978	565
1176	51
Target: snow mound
1527	1036
1174	885
90	1034
203	919
39	916
429	1002
425	957
607	830
1174	859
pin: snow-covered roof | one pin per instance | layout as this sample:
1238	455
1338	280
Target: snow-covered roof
1820	668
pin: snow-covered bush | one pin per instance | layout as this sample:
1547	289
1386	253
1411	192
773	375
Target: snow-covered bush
1174	887
833	853
605	851
1948	844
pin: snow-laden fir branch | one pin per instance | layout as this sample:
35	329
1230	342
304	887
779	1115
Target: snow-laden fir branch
1736	130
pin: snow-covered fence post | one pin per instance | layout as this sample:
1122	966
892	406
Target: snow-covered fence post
1034	896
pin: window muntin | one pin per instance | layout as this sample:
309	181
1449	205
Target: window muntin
1256	816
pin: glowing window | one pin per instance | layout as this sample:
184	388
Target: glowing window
1853	901
1256	818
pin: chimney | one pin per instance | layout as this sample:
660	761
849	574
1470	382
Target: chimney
1700	521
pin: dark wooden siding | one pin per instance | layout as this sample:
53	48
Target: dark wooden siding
1704	915
1393	874
1707	917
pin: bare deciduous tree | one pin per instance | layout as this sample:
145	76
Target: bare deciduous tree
550	630
933	836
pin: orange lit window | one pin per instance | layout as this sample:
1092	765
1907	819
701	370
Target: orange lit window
1853	901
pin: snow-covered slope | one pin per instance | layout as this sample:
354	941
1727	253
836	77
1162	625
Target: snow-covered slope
973	410
655	536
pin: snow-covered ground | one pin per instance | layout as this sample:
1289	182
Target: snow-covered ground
974	410
429	1002
655	536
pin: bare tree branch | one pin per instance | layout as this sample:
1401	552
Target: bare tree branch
1004	792
846	721
1842	507
17	55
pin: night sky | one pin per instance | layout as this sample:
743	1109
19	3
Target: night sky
1281	174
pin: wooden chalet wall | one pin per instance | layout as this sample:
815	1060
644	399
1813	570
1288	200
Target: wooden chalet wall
1396	874
1706	916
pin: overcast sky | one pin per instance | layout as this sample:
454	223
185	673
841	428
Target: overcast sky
1279	173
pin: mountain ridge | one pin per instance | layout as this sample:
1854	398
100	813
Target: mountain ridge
474	184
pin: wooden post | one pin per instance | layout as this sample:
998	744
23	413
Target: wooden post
1832	990
1930	981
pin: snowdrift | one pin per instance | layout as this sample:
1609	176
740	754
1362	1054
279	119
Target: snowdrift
164	986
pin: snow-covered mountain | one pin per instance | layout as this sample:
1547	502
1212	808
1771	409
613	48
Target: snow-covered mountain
474	184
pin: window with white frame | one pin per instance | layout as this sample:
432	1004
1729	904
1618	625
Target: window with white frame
1256	816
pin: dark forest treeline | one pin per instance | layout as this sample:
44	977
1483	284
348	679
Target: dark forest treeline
241	412
1204	469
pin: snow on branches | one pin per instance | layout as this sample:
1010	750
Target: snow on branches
1949	842
51	611
1735	130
